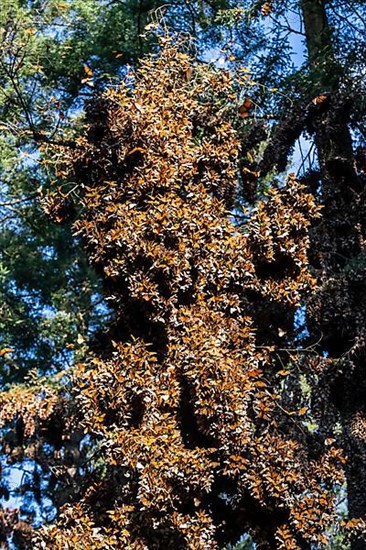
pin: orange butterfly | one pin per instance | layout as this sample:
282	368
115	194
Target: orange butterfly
320	99
245	108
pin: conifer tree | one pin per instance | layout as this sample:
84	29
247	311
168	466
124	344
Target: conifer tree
194	438
320	99
53	55
312	53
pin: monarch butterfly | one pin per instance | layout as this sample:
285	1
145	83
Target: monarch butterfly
320	99
245	108
187	75
266	9
5	351
88	76
88	73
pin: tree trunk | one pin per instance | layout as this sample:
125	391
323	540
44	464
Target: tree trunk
338	310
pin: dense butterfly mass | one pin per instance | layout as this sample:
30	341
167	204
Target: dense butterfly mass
192	407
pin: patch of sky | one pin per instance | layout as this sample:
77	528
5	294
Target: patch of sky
19	480
47	252
292	21
101	308
27	296
214	56
244	543
300	323
304	157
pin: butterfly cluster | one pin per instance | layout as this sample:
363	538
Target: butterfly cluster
198	427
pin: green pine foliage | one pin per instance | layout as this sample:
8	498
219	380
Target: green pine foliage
303	80
53	56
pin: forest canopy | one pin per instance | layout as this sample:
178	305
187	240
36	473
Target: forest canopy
201	379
